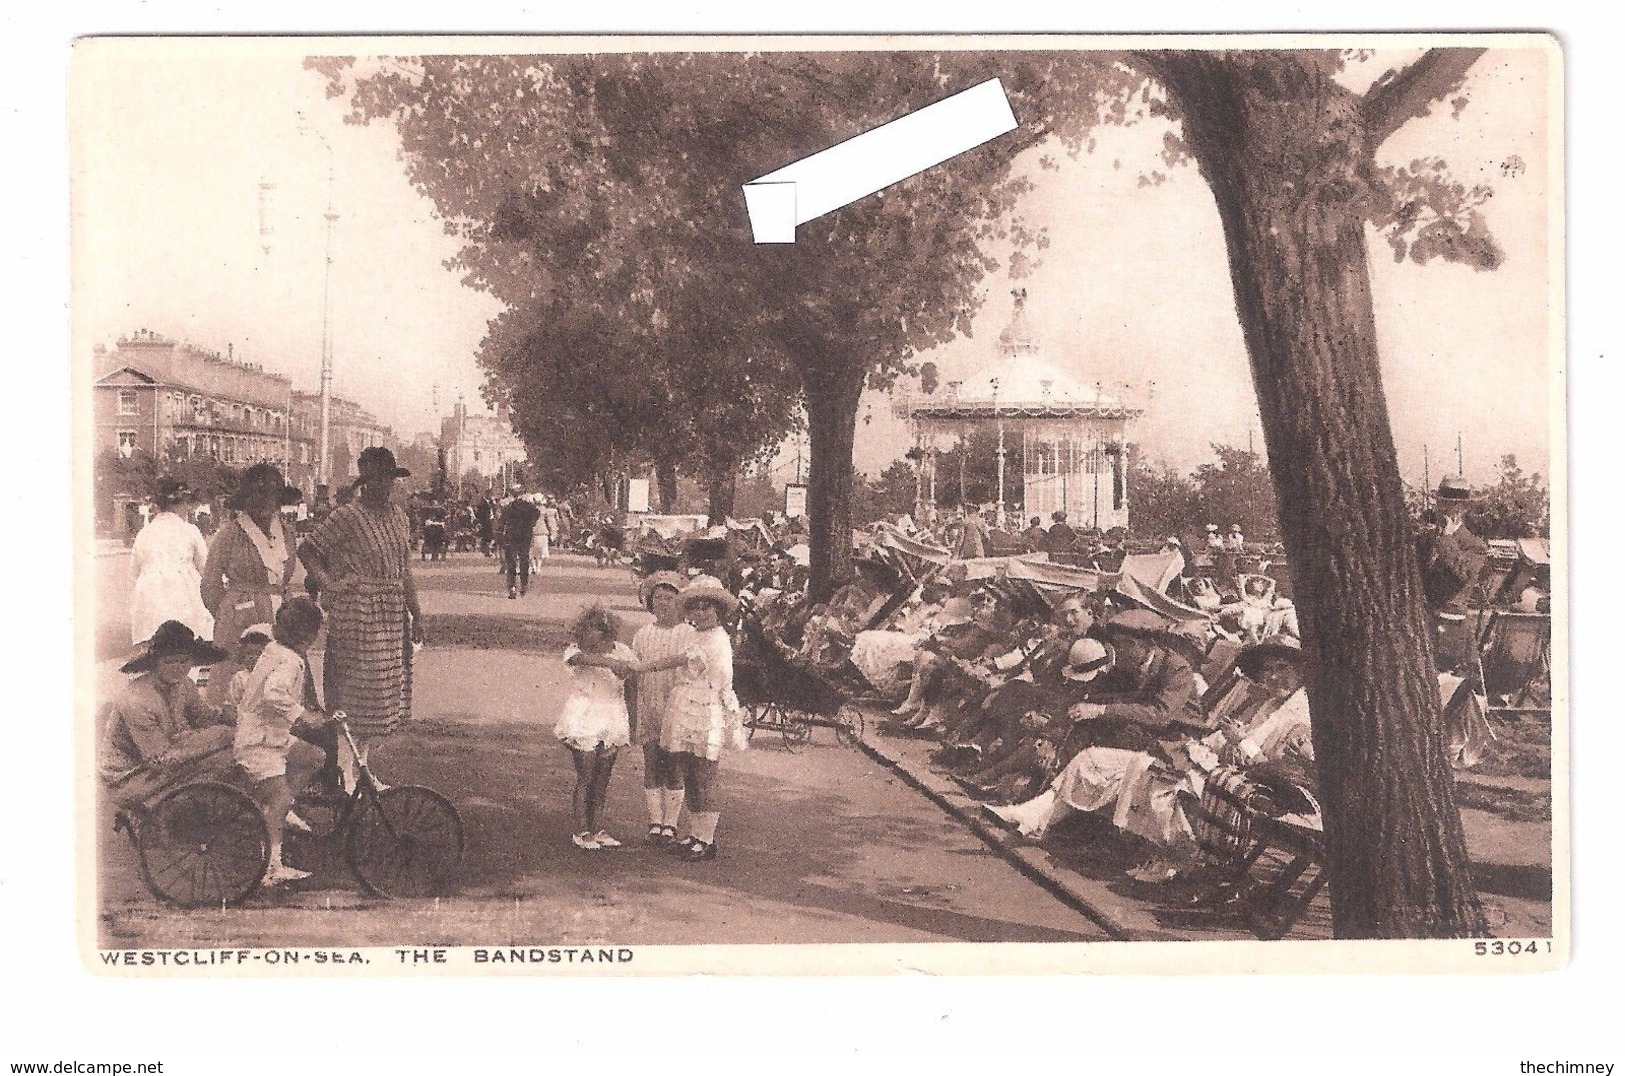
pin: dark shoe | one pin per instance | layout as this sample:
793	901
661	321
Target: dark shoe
512	593
656	834
698	850
681	847
668	835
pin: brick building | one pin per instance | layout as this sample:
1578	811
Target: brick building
177	401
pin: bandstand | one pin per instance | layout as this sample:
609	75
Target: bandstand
1073	438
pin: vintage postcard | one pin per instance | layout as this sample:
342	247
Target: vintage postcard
1018	504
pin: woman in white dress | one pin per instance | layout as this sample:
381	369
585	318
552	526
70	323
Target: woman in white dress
885	657
166	562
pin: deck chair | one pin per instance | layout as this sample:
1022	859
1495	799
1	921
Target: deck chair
1516	653
1238	823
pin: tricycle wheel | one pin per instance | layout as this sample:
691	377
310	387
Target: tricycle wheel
406	842
203	845
797	730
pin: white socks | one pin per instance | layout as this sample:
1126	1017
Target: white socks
671	806
702	825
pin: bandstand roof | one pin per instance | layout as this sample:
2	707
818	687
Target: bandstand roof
1019	384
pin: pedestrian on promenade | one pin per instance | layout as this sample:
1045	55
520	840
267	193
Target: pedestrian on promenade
485	511
704	719
669	636
361	559
251	568
514	533
167	562
550	526
973	534
594	723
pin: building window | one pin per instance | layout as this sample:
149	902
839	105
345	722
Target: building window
128	402
126	443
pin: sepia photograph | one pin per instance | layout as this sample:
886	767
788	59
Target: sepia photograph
770	504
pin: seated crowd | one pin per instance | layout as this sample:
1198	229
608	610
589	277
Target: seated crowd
1048	702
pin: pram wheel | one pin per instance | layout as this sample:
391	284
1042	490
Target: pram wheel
408	842
203	845
797	730
849	725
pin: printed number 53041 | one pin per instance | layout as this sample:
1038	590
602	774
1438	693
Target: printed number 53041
1510	948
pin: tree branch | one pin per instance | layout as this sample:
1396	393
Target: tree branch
1393	102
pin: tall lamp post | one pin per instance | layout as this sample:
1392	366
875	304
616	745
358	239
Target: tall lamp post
998	516
324	472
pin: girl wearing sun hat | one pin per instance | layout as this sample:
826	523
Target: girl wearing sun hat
704	718
667	637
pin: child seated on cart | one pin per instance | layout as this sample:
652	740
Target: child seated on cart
266	746
159	733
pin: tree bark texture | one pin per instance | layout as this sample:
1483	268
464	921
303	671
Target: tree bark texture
720	495
832	416
666	484
1284	150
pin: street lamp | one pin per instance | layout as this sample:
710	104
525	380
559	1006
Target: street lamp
998	518
324	475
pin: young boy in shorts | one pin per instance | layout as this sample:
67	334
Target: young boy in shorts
273	701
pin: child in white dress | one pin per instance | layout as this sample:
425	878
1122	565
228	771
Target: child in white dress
594	724
704	717
668	636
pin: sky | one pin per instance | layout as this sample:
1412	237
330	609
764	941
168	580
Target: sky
172	144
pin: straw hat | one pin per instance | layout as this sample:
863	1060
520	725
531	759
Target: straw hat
1087	659
646	589
708	588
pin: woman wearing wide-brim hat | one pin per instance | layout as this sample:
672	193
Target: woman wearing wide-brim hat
166	564
252	568
158	731
360	558
704	718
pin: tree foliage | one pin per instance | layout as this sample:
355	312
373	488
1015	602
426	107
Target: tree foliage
1517	506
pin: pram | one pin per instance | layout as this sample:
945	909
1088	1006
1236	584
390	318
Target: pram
786	696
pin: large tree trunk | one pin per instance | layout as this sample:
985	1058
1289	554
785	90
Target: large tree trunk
666	484
1283	147
720	496
832	416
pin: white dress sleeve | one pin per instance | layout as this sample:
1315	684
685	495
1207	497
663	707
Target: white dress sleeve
284	691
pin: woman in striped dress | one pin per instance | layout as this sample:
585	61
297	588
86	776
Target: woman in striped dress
360	557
